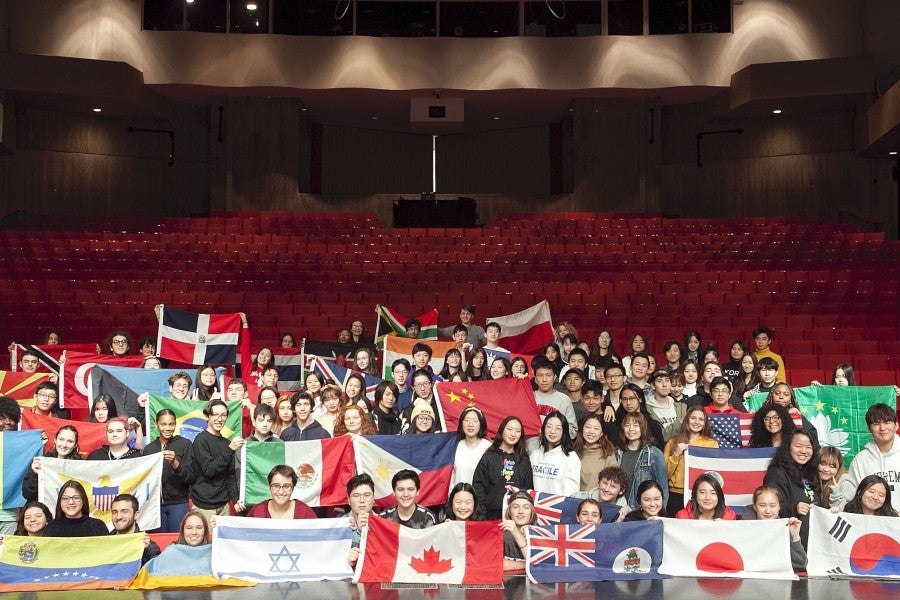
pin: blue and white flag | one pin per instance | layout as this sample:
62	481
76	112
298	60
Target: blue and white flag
272	550
125	384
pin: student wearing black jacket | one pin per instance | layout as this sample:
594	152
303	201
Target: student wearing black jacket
177	474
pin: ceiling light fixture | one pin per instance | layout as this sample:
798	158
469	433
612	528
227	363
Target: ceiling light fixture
893	153
251	6
98	110
777	111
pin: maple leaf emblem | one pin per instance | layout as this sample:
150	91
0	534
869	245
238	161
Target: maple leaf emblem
431	563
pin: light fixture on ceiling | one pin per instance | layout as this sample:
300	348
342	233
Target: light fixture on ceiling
777	111
251	6
97	110
893	153
496	118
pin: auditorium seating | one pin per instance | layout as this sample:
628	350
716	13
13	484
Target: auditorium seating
828	290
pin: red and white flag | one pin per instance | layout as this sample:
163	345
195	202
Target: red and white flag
742	471
48	355
460	552
75	385
525	330
198	339
746	549
853	545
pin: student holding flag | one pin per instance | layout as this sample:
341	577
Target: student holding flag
177	474
65	445
213	456
116	447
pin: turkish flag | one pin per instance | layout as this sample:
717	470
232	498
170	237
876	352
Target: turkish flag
461	552
74	385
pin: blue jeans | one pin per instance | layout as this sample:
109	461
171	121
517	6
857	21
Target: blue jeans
170	516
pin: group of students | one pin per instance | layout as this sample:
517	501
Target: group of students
615	431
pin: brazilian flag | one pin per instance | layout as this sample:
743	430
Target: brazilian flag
189	417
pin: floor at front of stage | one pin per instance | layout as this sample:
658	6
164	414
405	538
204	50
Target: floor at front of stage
517	588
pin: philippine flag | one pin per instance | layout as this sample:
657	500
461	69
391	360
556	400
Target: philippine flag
460	552
430	455
198	339
848	544
747	549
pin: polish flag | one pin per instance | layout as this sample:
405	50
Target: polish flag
525	330
455	552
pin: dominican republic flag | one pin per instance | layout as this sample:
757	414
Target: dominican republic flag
397	347
74	383
525	330
849	545
497	399
430	455
555	509
17	449
733	431
31	564
455	552
90	435
572	553
47	355
340	375
288	361
391	322
273	550
21	386
125	384
746	549
742	470
322	466
197	339
103	480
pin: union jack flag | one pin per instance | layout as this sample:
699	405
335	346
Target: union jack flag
562	544
555	509
340	375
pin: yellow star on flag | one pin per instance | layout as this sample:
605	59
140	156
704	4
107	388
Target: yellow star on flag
834	410
453	397
843	420
820	406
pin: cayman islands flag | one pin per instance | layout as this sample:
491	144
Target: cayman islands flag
571	553
323	468
430	455
460	552
198	339
60	563
104	480
390	322
851	545
272	550
742	471
17	449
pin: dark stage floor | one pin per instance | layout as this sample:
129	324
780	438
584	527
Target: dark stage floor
519	588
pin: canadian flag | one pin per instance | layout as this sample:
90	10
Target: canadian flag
458	552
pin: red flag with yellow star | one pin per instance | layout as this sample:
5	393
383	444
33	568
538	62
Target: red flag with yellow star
497	399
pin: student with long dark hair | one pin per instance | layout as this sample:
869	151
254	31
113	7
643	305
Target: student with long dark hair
794	471
504	463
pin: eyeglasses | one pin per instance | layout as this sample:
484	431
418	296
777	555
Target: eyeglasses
69	498
422	384
619	376
365	496
772	419
119	342
46	395
281	487
218	416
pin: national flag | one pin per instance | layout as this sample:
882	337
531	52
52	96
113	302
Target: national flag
742	470
74	384
838	413
189	417
496	398
323	468
853	545
90	435
745	549
182	567
17	449
330	351
198	339
289	362
31	564
527	329
391	322
21	386
103	481
430	455
508	356
125	384
556	509
48	355
460	552
273	550
733	431
398	347
573	553
340	375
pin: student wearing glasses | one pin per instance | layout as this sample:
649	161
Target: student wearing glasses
282	481
212	456
73	514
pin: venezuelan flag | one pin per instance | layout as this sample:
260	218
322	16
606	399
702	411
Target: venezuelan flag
91	563
17	448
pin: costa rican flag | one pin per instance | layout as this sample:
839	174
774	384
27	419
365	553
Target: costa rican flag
198	339
562	545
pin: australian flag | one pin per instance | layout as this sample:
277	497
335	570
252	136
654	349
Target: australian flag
198	339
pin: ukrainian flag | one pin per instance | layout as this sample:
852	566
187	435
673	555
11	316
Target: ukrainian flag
180	567
17	448
189	417
79	563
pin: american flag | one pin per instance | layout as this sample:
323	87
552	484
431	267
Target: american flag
562	544
733	431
